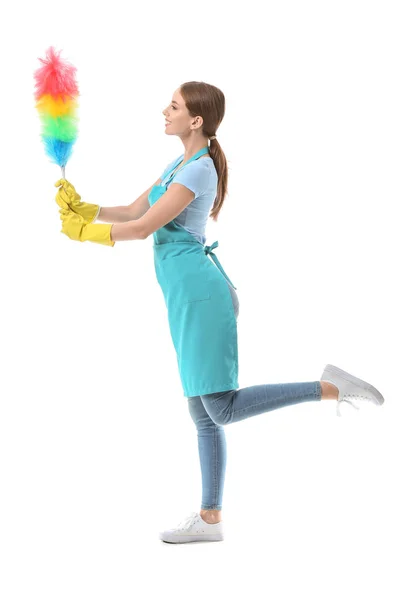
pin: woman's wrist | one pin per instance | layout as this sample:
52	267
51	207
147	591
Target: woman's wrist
97	214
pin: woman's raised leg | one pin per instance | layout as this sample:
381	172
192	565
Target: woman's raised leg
235	405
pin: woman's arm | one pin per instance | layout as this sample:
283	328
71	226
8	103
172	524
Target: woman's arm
132	230
115	214
122	214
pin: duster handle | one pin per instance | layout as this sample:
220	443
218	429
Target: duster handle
63	172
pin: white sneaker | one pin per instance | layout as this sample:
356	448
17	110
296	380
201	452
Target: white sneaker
350	386
193	529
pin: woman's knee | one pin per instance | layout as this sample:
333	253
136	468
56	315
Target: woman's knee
218	406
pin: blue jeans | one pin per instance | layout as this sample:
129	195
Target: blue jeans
211	412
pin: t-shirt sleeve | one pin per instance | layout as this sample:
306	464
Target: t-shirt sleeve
194	176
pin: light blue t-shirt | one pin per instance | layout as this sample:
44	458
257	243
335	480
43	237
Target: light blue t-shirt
201	177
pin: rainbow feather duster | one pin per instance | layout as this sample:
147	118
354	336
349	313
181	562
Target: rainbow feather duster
55	94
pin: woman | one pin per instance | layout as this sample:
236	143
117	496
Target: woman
201	300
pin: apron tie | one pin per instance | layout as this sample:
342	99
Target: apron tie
209	250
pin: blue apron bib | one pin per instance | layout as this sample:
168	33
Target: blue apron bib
201	315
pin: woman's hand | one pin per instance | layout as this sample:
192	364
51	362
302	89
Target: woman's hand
67	197
72	223
76	228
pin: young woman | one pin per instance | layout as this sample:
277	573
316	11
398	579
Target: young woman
201	300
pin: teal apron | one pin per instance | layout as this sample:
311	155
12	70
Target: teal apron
201	315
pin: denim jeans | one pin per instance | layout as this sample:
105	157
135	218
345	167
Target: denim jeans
212	411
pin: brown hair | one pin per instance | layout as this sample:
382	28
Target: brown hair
208	101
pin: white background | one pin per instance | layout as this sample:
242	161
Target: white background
98	452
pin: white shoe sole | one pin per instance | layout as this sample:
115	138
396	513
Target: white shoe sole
182	539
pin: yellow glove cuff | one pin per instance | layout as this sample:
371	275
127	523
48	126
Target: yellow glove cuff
99	233
97	214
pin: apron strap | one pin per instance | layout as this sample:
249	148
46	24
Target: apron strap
209	250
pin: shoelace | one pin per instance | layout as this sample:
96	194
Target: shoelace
344	399
188	522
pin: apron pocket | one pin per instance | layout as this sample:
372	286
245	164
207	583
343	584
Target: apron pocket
184	279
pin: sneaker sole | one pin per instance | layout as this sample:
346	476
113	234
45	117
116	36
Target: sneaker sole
218	537
378	399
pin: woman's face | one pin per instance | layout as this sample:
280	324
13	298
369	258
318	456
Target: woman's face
178	116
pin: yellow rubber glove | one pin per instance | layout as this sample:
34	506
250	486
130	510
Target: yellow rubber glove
76	228
67	196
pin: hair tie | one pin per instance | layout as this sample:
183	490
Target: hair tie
213	137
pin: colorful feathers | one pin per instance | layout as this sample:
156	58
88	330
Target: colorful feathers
56	92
